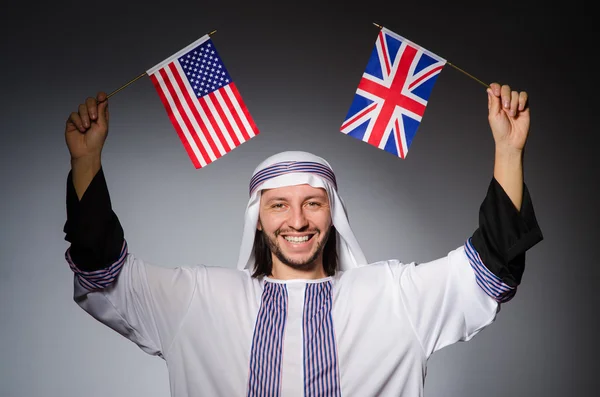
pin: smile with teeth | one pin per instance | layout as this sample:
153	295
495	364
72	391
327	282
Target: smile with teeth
297	239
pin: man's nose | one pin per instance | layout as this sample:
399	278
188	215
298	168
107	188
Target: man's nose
297	219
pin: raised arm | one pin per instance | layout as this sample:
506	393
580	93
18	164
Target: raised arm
507	223
85	134
92	228
143	302
459	295
508	115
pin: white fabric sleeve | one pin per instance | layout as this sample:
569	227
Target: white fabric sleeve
146	303
443	301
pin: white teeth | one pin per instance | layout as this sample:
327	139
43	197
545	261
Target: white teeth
296	239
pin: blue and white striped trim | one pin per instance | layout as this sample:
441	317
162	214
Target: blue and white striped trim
488	281
264	378
98	279
321	370
288	167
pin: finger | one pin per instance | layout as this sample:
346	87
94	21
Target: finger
523	100
514	103
493	101
83	114
506	96
75	120
92	107
495	87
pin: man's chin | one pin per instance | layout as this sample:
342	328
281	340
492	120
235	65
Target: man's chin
302	263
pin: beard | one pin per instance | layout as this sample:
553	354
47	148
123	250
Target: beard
307	264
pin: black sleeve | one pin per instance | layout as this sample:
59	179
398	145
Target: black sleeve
92	228
505	233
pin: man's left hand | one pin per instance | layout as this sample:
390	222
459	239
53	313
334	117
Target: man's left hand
508	115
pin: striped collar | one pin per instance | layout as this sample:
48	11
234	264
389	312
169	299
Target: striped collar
298	280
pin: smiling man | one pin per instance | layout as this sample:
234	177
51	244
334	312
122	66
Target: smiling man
295	222
304	313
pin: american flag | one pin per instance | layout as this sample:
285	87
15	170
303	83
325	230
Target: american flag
202	102
392	94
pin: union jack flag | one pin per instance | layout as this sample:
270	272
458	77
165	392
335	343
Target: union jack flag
392	94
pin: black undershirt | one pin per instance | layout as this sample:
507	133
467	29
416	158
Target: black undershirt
92	228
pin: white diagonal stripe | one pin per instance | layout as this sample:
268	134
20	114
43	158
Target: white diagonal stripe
230	117
239	111
218	120
180	121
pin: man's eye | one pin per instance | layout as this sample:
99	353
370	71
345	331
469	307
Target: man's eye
278	205
313	204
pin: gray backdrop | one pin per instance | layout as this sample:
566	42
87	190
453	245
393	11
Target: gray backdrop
297	67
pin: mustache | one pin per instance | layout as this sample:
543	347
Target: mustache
303	230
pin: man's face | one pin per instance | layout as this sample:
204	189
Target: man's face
296	221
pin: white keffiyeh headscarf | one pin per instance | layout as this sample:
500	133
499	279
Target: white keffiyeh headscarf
297	168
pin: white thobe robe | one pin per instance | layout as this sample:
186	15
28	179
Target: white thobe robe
368	331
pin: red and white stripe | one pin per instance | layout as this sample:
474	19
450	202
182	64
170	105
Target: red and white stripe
209	126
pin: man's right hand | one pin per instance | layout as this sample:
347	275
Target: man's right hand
86	129
85	134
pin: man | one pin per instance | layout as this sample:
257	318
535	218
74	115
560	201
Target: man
304	313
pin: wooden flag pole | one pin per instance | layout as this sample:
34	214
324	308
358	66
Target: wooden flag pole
138	77
454	66
125	85
467	74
